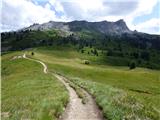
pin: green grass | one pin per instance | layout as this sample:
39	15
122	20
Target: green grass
79	91
116	104
28	93
139	86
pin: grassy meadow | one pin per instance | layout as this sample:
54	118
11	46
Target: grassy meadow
121	93
28	93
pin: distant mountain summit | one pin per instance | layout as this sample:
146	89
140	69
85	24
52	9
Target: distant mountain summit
104	27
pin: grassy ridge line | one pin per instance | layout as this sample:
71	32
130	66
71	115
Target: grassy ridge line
28	93
116	104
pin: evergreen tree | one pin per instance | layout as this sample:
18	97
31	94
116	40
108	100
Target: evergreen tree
32	53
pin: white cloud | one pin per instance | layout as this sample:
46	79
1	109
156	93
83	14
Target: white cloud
48	6
145	7
20	13
104	8
57	5
151	26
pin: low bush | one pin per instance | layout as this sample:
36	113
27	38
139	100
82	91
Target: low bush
86	62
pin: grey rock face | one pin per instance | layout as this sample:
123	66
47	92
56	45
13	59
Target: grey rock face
49	25
105	27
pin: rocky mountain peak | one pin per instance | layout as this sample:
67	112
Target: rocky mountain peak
104	27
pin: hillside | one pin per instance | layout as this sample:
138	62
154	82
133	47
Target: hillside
119	45
121	93
28	93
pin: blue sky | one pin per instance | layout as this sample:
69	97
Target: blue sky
142	15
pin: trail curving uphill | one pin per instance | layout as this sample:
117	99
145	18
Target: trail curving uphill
75	109
44	65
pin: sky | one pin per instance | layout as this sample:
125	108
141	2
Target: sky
140	15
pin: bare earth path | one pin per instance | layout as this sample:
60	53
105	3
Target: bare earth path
75	109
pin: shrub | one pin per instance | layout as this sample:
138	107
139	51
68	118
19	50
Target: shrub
110	53
82	51
86	62
145	55
32	53
132	65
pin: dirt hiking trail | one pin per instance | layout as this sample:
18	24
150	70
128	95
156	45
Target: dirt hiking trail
75	109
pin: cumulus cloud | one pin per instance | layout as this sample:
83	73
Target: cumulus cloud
104	8
151	26
20	13
120	7
57	5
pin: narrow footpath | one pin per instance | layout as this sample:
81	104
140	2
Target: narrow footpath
75	109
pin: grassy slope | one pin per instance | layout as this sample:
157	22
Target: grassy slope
28	93
140	84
